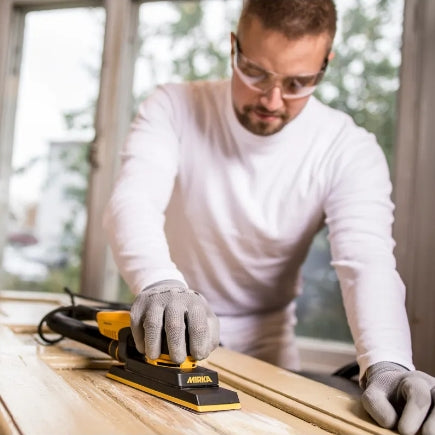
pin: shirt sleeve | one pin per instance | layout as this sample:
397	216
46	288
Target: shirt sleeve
359	214
134	217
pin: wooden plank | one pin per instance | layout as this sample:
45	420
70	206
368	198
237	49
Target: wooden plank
38	381
42	400
121	402
34	399
23	310
7	424
9	343
329	408
24	317
68	354
95	387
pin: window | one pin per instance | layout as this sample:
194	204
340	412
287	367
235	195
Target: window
184	40
54	125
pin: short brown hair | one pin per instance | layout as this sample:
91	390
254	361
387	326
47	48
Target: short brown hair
294	18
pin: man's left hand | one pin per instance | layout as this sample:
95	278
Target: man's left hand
394	395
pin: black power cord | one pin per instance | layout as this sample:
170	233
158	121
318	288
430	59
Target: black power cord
71	311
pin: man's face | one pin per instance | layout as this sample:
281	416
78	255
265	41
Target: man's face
267	112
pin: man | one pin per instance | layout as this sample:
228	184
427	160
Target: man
222	188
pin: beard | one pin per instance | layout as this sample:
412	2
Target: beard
261	128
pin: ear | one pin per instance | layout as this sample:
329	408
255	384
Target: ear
233	41
331	56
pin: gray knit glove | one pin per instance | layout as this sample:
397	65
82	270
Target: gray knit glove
171	303
394	395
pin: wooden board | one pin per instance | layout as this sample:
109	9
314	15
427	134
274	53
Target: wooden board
63	389
320	404
43	399
22	311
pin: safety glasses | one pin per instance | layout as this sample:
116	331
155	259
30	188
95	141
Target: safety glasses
258	79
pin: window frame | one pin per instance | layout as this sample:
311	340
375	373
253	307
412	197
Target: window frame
99	273
414	177
413	155
11	42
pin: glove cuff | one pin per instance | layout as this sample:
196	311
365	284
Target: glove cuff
379	369
166	283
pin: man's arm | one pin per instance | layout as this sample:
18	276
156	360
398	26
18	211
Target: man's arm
134	221
134	217
360	216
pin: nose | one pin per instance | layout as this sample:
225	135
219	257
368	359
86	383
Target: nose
272	99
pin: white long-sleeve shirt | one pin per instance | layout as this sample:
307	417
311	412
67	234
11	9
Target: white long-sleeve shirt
202	200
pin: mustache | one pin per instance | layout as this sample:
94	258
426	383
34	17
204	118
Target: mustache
263	111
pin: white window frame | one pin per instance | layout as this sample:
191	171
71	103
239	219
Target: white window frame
99	273
414	155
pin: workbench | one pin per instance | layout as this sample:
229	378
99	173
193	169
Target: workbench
62	389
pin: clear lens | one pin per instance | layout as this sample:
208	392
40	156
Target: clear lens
260	80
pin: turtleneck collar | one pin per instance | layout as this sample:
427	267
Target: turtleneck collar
257	143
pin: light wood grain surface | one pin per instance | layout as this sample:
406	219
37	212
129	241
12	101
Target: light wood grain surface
63	389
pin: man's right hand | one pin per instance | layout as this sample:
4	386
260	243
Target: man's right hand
172	301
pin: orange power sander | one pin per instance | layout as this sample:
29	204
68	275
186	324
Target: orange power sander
188	385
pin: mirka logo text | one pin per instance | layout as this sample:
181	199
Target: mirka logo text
199	380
